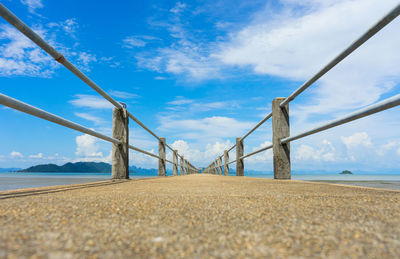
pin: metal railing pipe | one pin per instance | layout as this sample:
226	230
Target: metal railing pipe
232	162
232	148
142	125
28	32
143	151
258	125
353	46
26	108
378	107
257	151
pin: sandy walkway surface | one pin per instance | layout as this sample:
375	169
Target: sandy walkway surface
200	217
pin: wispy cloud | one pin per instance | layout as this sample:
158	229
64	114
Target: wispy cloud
123	95
137	41
180	100
96	120
91	101
32	4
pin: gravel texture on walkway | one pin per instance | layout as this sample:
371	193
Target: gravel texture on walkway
200	216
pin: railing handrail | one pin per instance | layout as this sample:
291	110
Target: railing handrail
34	111
380	106
352	47
377	107
40	42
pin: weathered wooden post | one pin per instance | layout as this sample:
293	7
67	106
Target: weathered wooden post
161	154
175	160
184	167
220	165
215	170
280	130
120	152
239	154
182	171
226	161
187	167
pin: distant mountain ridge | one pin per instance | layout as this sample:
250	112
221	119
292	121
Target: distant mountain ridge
83	167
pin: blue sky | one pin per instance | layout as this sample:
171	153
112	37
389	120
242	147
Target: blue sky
201	73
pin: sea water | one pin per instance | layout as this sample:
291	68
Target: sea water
12	181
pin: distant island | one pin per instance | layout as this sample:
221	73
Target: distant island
82	167
346	172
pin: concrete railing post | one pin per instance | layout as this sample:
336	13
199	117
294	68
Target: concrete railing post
280	130
182	161
120	152
161	153
226	161
175	160
239	153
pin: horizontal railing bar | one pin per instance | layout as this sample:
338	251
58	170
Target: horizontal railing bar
231	162
258	125
378	107
28	32
29	109
257	151
170	148
353	46
142	125
231	148
143	151
166	160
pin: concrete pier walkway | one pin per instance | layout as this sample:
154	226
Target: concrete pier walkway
200	216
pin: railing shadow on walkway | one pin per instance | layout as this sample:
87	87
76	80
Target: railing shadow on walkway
60	188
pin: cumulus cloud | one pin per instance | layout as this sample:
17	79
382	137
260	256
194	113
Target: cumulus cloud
87	149
356	140
326	152
16	154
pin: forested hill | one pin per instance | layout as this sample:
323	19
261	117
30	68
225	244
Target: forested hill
83	167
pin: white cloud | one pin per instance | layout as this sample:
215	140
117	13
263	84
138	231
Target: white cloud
262	156
16	154
20	56
326	152
91	101
123	95
137	41
356	140
85	59
88	150
131	42
296	45
178	8
37	156
96	120
180	100
215	127
160	78
32	4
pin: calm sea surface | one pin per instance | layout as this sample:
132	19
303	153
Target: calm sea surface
12	181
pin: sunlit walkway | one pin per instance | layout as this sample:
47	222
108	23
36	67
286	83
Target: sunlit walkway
200	216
